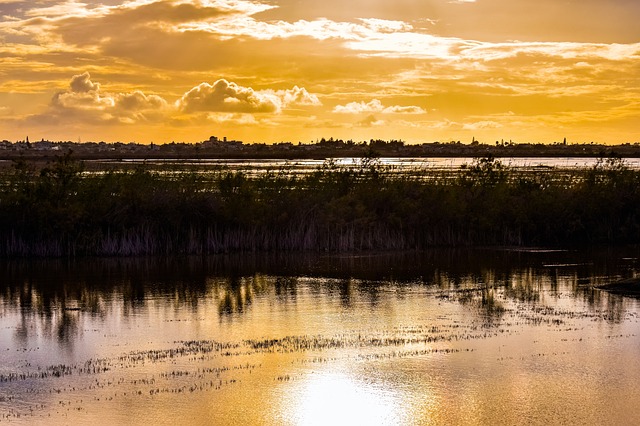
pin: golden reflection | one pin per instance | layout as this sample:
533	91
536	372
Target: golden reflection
336	398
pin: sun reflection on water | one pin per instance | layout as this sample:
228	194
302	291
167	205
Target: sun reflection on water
335	398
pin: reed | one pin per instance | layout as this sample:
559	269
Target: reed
60	210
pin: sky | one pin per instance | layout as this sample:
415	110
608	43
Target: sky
299	70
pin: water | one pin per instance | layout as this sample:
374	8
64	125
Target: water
443	337
400	164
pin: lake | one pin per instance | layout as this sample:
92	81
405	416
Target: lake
397	164
484	336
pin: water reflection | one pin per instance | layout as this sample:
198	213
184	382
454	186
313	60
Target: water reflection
286	288
369	338
55	294
236	294
332	398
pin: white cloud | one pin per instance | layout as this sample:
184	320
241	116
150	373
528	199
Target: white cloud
375	106
225	96
85	100
295	96
398	109
62	9
385	25
482	125
564	50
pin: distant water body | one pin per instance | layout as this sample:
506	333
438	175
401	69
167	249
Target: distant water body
432	163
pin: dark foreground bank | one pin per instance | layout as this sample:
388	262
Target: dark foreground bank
61	211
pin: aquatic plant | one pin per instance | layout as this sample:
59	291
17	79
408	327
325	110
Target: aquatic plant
61	210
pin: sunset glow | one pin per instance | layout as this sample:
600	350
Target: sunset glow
299	70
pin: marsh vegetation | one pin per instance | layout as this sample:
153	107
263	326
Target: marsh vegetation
62	210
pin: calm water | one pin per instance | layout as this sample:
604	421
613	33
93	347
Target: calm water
434	162
399	164
446	337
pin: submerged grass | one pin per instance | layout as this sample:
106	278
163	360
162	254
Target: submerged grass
59	210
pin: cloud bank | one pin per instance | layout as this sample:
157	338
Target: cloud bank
85	101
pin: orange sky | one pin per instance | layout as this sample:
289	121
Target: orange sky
299	70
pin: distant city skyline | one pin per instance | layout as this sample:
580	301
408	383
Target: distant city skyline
300	70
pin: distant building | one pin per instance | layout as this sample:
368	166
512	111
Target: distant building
215	142
43	145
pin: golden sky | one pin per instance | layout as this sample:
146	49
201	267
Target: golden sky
299	70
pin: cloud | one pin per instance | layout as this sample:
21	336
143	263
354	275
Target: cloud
85	100
141	23
72	24
232	118
538	50
296	96
144	11
225	96
482	125
82	83
370	121
149	54
318	29
138	101
63	9
445	124
181	34
375	106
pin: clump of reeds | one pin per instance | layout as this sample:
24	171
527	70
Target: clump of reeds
61	211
